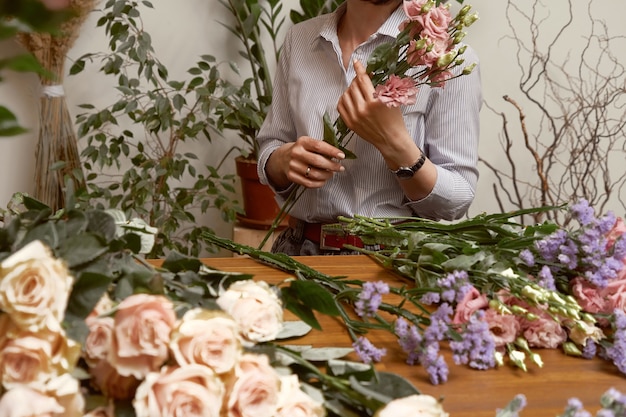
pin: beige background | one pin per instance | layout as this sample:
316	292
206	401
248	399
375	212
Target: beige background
184	29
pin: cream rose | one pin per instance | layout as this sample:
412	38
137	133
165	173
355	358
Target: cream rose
191	390
208	338
34	288
141	334
35	358
23	401
413	406
293	402
255	307
255	390
66	389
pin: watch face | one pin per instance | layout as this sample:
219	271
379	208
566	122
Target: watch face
405	173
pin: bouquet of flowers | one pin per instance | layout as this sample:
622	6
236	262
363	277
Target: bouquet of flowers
90	328
491	288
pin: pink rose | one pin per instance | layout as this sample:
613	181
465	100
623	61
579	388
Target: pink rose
435	23
207	338
141	334
544	332
99	339
255	390
295	402
471	302
440	78
504	327
615	294
425	53
618	229
111	383
588	296
413	8
23	401
397	91
191	390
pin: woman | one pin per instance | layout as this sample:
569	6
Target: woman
414	160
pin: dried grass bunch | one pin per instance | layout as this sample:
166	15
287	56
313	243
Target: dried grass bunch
57	156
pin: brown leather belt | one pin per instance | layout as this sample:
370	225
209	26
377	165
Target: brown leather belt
327	239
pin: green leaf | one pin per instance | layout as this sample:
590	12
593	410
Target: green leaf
302	311
392	385
325	354
87	290
293	329
81	249
9	125
315	296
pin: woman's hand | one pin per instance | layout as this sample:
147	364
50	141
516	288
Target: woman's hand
371	119
307	161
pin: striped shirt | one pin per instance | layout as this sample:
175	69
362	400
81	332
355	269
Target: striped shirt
444	123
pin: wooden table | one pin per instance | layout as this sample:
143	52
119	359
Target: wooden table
468	392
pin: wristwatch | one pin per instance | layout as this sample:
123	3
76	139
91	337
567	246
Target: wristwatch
405	173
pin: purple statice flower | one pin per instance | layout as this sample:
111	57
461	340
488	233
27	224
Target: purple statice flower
477	346
409	339
439	323
606	223
423	350
582	212
619	248
453	286
546	279
513	408
430	298
613	402
367	352
549	247
575	408
590	349
527	257
370	298
434	364
568	255
617	352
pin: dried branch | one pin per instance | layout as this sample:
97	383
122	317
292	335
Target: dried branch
570	115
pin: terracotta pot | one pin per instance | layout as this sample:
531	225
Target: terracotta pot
258	199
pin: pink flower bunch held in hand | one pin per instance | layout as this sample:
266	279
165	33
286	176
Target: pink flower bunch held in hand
425	52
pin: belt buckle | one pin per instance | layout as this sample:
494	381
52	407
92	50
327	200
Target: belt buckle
332	237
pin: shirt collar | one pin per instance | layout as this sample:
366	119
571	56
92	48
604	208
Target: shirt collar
328	30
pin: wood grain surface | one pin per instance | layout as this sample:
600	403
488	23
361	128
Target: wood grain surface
468	392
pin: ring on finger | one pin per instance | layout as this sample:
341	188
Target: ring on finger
308	171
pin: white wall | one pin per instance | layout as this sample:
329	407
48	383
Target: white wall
182	30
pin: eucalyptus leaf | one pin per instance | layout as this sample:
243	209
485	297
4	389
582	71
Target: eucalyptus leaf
326	354
292	329
80	249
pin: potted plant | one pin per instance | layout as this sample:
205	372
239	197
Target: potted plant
256	24
138	156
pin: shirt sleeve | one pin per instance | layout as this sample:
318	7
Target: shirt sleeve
452	126
277	128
